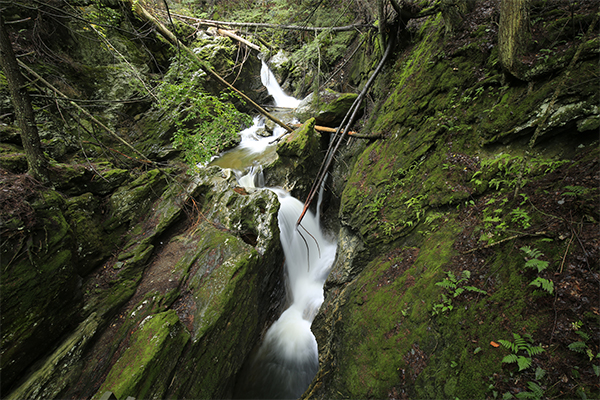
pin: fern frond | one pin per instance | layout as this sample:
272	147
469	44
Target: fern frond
509	345
520	342
534	350
523	362
540	265
545	284
533	253
578	347
446	284
583	335
509	359
475	289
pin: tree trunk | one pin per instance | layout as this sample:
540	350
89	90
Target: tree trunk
38	165
453	13
513	35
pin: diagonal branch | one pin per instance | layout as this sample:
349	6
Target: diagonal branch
167	34
342	132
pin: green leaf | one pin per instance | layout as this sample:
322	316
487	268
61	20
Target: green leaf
539	373
523	362
509	359
578	347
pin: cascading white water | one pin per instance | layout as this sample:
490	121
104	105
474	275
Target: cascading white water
270	82
254	146
287	360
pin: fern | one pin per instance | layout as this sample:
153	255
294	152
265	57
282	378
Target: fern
534	253
520	344
535	263
536	392
579	347
545	284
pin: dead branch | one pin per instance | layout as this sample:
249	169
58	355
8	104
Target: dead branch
167	34
85	112
342	132
224	32
207	22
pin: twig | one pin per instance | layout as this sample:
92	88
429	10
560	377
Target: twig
565	255
87	114
341	133
487	246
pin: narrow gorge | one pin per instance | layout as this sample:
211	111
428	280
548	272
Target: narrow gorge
154	247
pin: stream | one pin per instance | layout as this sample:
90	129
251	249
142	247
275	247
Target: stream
287	359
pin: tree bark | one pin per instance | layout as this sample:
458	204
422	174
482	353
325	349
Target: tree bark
453	12
513	35
37	162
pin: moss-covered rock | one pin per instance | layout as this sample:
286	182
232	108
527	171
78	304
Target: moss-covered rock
299	158
40	287
61	368
92	243
144	369
328	108
12	158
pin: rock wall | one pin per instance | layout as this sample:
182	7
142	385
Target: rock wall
438	219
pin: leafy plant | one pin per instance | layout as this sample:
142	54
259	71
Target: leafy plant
205	124
520	345
582	347
521	217
540	265
455	287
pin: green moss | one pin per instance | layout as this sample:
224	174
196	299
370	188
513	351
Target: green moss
300	143
154	349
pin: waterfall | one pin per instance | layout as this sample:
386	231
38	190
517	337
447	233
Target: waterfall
287	360
270	82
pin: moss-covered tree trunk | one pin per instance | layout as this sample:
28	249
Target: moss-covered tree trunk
453	12
23	111
513	35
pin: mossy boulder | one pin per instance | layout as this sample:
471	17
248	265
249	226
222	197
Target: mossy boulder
328	107
12	158
299	156
130	202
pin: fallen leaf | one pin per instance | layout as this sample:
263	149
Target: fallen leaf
494	344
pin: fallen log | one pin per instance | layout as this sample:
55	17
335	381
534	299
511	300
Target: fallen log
224	32
208	22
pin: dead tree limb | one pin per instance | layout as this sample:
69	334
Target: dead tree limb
208	22
167	34
224	32
342	131
86	113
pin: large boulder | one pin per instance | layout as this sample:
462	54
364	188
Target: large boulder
328	108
